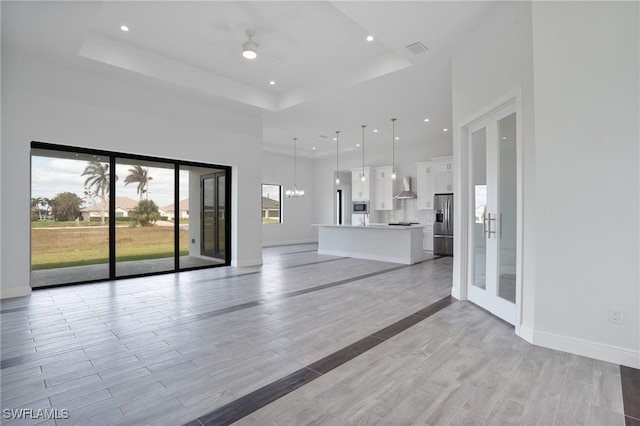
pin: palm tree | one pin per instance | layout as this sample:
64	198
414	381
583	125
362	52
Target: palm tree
46	203
139	175
98	182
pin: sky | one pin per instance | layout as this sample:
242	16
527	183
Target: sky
51	176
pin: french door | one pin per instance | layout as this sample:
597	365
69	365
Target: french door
492	216
213	215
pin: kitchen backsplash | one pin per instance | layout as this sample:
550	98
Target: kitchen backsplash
407	211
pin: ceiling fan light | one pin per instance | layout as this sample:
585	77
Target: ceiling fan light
249	50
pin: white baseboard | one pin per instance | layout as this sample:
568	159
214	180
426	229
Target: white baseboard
455	293
609	353
289	242
246	262
526	333
8	293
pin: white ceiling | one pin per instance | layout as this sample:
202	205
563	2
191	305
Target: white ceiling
328	77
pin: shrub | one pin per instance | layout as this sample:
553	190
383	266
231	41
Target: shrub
146	213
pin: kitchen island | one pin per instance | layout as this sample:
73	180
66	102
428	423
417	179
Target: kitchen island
387	243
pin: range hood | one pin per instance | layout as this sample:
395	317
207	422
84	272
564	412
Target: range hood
407	193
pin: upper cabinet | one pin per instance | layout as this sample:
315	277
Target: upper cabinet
360	190
384	189
434	177
426	186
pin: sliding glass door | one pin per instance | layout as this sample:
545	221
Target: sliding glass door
98	215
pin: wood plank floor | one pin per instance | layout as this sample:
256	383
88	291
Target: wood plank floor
168	350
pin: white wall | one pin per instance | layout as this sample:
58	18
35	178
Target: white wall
586	67
297	213
48	103
497	60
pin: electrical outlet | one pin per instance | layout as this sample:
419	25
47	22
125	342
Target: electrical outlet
615	315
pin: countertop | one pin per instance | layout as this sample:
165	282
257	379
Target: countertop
371	225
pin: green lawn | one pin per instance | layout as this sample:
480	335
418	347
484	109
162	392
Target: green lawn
58	247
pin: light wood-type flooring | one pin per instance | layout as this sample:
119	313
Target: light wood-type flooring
171	349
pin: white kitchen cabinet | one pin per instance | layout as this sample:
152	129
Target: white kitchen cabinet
434	177
360	191
426	186
426	189
427	241
443	172
443	183
384	187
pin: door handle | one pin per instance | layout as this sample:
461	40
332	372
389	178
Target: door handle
484	225
489	231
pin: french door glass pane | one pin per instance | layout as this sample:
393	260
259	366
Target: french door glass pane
144	233
479	203
214	215
69	217
221	212
507	200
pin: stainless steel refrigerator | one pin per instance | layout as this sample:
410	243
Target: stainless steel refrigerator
443	225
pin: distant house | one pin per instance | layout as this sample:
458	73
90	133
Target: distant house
183	210
270	210
124	208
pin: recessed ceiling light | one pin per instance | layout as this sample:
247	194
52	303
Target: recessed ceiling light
426	120
313	147
397	138
445	130
504	138
369	38
357	144
335	139
375	130
272	83
124	28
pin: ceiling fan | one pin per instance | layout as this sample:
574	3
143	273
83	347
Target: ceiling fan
249	47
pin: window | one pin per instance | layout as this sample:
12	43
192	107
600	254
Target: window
271	203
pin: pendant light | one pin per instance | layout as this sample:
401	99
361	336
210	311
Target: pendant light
362	176
295	192
337	150
393	147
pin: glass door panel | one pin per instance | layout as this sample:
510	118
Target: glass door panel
507	207
221	220
144	234
69	217
479	203
214	223
209	214
492	216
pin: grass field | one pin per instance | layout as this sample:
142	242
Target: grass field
55	247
